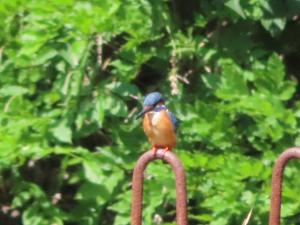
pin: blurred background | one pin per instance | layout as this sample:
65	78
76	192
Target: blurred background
72	78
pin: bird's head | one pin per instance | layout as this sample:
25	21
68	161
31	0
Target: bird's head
151	100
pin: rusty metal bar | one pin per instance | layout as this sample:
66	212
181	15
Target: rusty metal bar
274	216
137	185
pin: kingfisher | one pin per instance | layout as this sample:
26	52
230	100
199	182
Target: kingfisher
159	123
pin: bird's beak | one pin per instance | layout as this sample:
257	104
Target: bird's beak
144	110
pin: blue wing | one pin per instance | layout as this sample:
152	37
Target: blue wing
173	120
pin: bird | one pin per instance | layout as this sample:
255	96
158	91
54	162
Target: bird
159	124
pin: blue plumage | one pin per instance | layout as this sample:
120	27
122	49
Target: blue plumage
152	99
173	120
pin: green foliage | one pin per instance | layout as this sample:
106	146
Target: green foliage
73	74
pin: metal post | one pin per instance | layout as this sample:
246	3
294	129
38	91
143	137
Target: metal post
137	185
274	217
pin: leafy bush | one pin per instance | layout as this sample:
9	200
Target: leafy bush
73	74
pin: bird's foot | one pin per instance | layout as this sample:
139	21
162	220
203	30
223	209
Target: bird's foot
165	150
154	149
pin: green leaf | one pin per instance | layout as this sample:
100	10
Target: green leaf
115	106
211	80
287	90
93	192
45	56
93	171
236	7
62	132
233	84
274	26
123	89
74	52
13	90
124	70
99	111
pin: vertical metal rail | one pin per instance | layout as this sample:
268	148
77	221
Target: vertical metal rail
274	216
137	186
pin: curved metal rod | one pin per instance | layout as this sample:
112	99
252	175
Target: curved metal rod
137	186
290	153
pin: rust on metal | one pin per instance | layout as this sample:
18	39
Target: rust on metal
274	216
137	185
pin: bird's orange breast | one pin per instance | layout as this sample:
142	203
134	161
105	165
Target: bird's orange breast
159	129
